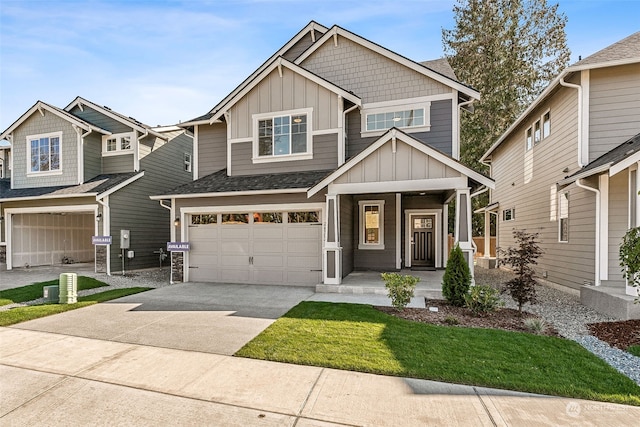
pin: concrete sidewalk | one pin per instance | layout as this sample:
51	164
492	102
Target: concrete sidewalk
52	379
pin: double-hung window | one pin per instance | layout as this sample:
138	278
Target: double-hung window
119	143
44	153
563	215
283	136
371	228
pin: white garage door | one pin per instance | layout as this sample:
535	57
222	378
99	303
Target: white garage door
248	247
48	238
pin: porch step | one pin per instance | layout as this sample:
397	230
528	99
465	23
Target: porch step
373	290
611	300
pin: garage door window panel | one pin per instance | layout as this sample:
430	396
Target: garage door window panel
235	218
267	217
304	217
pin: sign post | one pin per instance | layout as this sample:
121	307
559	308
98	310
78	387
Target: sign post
180	247
103	241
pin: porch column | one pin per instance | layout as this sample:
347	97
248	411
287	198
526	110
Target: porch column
463	231
331	250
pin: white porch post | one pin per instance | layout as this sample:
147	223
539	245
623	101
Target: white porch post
331	250
463	230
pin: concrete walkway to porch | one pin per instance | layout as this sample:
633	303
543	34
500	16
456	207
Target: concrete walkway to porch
370	282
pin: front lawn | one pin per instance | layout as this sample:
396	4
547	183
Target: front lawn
34	291
360	338
22	314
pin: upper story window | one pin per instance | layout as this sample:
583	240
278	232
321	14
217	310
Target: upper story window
538	131
118	143
187	162
410	116
44	153
282	136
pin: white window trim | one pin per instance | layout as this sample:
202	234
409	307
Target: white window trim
532	129
528	146
513	214
118	151
38	136
361	224
560	217
542	136
285	157
188	162
394	107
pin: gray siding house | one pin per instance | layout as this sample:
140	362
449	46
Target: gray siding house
86	171
336	155
568	169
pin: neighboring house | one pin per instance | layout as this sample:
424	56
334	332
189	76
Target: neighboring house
335	155
568	169
87	171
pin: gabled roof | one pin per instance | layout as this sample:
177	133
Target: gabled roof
420	68
99	186
128	121
42	106
277	63
623	155
626	51
219	184
310	27
418	145
442	66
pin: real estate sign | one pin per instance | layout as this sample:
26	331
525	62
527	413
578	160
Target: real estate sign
178	246
101	240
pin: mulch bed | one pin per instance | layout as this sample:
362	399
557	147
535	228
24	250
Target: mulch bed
505	318
621	334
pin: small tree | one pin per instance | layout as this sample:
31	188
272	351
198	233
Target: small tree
630	257
457	278
522	258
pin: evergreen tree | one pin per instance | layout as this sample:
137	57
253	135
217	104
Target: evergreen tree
457	278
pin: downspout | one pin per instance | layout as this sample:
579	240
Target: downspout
579	184
81	172
106	225
579	88
136	153
344	134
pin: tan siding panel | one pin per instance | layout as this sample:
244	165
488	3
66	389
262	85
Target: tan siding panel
212	148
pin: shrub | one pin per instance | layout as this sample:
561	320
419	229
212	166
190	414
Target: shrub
457	278
521	259
483	299
400	288
535	325
451	320
634	349
630	257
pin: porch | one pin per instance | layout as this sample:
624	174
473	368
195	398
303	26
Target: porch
370	283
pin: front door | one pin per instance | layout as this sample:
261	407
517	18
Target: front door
423	230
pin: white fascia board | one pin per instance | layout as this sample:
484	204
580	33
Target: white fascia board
121	185
525	114
229	193
395	133
48	197
295	39
399	186
389	54
585	174
197	123
280	61
617	62
624	164
60	113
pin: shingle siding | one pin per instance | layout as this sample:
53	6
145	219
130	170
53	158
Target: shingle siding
369	75
37	125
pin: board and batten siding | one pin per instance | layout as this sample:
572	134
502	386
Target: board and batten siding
121	163
133	210
212	148
618	221
570	264
92	155
289	92
37	124
438	137
370	75
96	118
614	107
325	157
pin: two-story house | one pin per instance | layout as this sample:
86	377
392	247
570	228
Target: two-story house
335	155
86	171
567	168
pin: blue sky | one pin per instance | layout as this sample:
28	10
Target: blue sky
168	61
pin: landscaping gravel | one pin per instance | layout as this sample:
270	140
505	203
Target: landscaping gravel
570	318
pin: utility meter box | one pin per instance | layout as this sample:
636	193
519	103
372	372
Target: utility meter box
125	239
51	293
130	254
68	288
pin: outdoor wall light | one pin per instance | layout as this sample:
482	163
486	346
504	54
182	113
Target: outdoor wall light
176	222
99	217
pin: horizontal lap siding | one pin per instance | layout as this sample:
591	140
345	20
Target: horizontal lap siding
618	220
614	107
346	233
384	259
98	119
325	157
117	164
570	264
92	156
212	148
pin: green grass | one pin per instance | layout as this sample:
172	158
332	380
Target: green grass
34	291
360	338
634	349
22	314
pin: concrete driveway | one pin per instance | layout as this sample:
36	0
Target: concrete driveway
205	317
